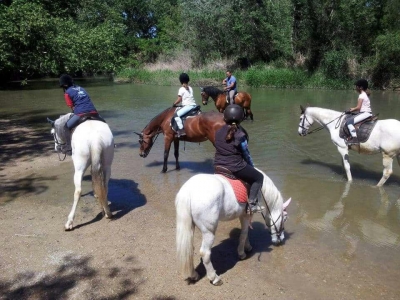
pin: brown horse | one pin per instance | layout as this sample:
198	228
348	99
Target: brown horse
198	129
241	98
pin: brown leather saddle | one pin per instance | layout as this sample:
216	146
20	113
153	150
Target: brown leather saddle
193	112
227	173
363	128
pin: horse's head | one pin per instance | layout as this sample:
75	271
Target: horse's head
305	122
146	141
57	130
204	96
275	224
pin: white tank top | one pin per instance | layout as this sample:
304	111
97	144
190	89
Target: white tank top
366	104
187	96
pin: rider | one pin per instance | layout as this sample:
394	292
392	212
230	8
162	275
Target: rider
233	154
363	107
80	103
186	98
230	82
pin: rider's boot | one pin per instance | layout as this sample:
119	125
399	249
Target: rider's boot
353	139
181	132
66	148
254	206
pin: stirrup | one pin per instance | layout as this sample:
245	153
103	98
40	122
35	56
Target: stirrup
255	208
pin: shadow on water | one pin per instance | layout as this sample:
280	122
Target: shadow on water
15	188
224	256
357	171
24	136
205	166
123	195
73	275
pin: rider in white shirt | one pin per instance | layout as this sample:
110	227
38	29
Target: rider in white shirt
186	98
363	106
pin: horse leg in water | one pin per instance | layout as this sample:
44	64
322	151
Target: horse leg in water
244	244
167	147
249	113
387	168
205	252
346	164
80	164
176	154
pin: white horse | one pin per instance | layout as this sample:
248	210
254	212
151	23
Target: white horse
385	138
92	144
204	200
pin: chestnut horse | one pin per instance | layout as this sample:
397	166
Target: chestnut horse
241	98
199	128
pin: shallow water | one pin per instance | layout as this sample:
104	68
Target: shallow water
356	221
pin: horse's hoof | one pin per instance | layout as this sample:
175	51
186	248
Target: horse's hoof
248	249
217	281
242	256
68	227
110	216
164	171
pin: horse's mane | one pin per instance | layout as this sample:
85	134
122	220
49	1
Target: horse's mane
212	91
60	122
271	193
155	123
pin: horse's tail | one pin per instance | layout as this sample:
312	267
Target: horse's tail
184	233
98	174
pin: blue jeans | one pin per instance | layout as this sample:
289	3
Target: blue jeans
184	110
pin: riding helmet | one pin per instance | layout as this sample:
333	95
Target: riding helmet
362	83
184	78
67	80
233	114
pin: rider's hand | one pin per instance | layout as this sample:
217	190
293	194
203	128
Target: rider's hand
347	112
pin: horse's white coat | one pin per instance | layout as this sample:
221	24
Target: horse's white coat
206	199
385	138
92	144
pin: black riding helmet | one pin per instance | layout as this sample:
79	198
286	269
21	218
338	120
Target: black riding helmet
233	114
184	78
362	83
67	80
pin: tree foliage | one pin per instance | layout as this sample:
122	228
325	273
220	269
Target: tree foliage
341	39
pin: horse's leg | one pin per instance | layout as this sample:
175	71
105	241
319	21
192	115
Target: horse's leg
80	168
176	154
346	164
244	244
249	113
387	169
167	146
205	252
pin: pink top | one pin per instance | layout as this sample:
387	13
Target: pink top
366	104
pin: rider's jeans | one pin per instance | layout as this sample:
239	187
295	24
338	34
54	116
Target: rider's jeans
360	117
184	110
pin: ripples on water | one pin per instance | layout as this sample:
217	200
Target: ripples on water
325	208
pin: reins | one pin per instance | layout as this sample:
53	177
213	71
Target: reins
59	151
322	126
277	232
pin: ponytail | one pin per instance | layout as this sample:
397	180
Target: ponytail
231	132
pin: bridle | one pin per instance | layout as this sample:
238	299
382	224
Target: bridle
153	139
305	129
274	223
204	99
59	144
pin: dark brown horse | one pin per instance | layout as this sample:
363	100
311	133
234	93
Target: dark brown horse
198	129
241	98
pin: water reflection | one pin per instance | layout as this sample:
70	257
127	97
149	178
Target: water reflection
361	215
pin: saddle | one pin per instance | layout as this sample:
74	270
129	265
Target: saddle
191	113
240	188
227	97
363	128
85	117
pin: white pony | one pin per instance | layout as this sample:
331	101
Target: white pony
92	144
204	200
385	138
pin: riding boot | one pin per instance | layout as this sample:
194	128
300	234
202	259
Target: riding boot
181	132
66	148
254	206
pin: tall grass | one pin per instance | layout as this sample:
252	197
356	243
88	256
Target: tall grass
256	77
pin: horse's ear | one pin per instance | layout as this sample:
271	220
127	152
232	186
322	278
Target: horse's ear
302	109
139	134
201	89
51	122
286	204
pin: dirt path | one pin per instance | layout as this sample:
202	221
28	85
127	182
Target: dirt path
133	256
